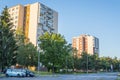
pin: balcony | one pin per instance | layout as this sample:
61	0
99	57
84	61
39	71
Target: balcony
49	16
51	28
41	21
49	24
52	31
49	11
44	28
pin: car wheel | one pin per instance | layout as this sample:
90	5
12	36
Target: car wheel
28	75
18	75
7	75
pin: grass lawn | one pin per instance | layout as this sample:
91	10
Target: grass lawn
1	75
118	78
50	73
43	73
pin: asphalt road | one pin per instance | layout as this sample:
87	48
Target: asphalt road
97	76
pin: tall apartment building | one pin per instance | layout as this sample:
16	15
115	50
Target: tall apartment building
86	43
35	19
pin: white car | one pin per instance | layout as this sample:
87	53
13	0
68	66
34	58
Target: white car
15	73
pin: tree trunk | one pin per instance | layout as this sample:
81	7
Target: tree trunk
53	68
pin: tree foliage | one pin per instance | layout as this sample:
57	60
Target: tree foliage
27	55
7	40
19	36
27	52
55	50
96	63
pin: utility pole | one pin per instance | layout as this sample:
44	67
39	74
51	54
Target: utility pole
87	63
66	65
39	50
38	61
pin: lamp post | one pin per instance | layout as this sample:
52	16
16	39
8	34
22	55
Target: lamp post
119	68
111	67
87	63
38	61
39	50
66	65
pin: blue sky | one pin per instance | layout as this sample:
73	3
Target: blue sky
100	18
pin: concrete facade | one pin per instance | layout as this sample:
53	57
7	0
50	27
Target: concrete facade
17	16
86	43
35	19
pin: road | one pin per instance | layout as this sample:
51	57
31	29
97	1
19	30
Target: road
97	76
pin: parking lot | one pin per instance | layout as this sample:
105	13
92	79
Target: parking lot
97	76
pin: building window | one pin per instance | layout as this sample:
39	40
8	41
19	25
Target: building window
15	22
13	9
12	18
12	13
16	7
16	17
14	26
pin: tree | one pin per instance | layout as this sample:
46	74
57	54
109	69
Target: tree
84	61
20	37
75	59
94	62
55	50
104	63
67	57
27	52
27	55
7	41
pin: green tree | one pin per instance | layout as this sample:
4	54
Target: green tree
19	36
75	59
55	50
7	41
67	57
104	63
27	55
115	64
94	62
84	61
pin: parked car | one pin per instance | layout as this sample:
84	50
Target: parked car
28	73
15	73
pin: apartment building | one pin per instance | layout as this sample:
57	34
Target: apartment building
17	15
86	43
35	19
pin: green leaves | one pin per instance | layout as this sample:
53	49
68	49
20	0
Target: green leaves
96	63
55	50
27	55
7	41
5	19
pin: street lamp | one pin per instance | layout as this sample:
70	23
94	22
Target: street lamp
66	65
39	59
87	63
111	67
119	67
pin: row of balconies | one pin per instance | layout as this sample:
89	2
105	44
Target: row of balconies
46	28
47	18
46	12
45	21
45	8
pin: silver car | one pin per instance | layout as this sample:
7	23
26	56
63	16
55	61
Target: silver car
15	73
